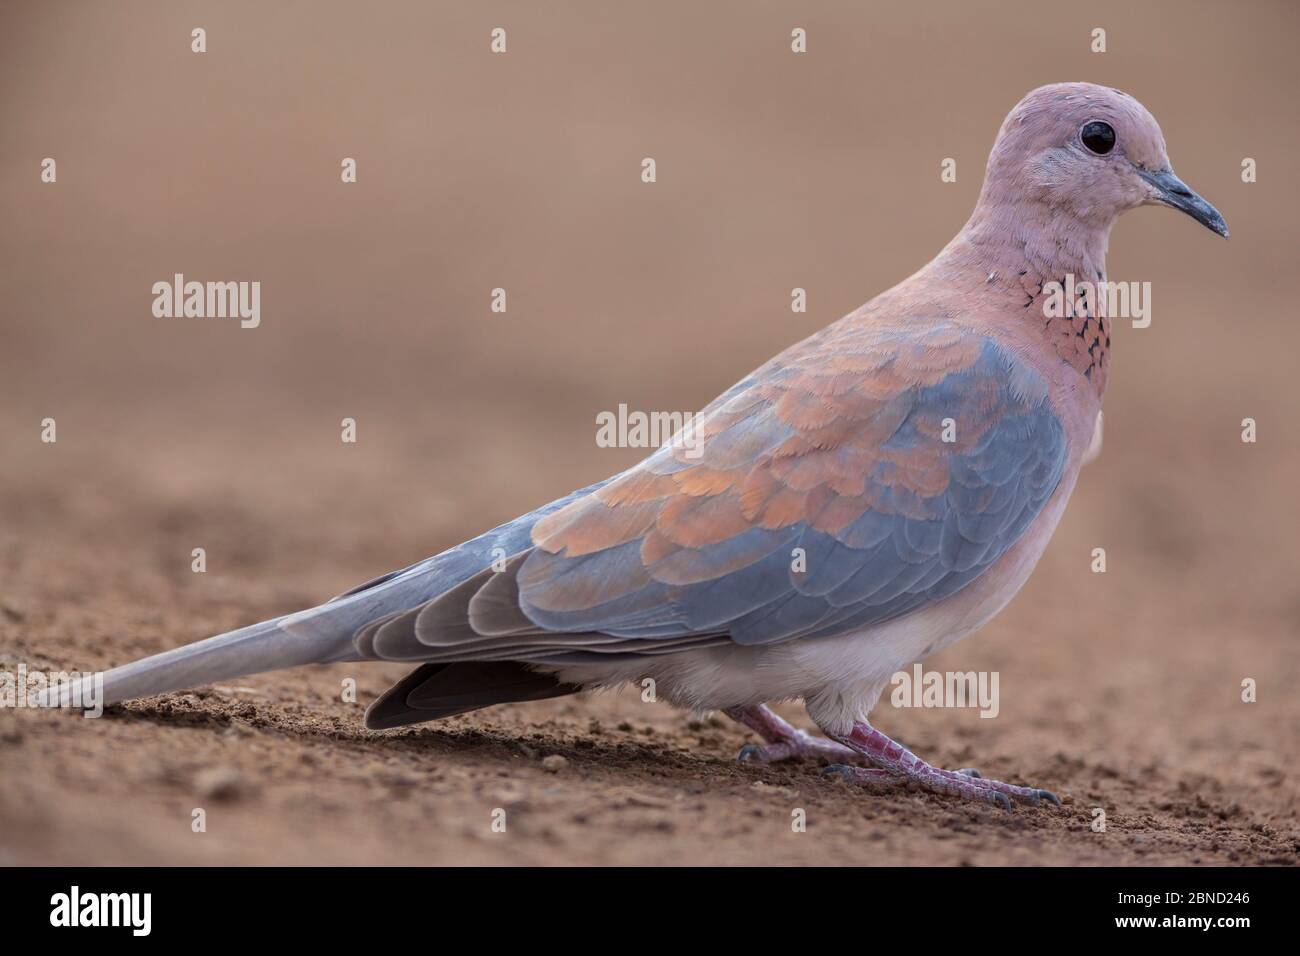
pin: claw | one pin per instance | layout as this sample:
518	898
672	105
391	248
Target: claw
887	763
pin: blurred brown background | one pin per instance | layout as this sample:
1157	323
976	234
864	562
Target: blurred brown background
522	171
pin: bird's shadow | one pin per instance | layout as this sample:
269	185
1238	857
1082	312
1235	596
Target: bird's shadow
594	752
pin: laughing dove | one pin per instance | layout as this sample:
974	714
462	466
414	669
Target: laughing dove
868	497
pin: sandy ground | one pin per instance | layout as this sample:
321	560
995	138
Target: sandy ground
1120	698
1119	691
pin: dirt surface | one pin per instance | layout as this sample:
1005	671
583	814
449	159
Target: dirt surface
1119	690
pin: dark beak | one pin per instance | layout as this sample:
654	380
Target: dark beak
1174	192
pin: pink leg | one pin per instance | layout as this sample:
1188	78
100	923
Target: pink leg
904	766
784	740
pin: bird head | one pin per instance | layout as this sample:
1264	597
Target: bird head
1092	153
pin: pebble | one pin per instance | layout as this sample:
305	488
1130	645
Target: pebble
220	783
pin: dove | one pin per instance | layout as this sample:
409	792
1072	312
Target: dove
868	497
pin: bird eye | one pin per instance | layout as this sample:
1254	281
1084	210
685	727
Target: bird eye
1098	137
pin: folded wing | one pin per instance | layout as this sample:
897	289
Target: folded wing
857	477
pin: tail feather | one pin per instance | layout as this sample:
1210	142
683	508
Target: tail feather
324	634
265	646
249	650
318	635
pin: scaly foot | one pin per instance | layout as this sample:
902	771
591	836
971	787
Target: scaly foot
784	741
895	764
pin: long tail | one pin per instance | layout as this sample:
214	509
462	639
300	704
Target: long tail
265	646
261	647
318	635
